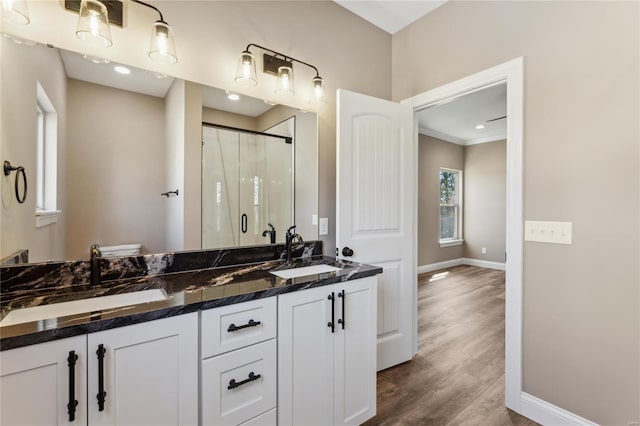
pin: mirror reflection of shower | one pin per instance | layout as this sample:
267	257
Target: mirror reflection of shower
247	184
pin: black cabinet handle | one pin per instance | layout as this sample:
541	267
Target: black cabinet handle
243	224
101	393
331	324
251	323
252	376
73	403
342	295
347	252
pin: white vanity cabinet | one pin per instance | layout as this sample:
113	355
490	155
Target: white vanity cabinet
38	382
327	354
148	373
238	367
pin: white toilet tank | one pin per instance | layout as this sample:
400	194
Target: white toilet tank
120	250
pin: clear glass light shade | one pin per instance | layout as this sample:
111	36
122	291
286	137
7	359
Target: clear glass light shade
246	71
93	24
319	94
15	11
285	81
162	48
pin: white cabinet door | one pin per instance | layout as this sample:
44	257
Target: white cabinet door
327	377
150	373
35	383
355	352
305	358
375	204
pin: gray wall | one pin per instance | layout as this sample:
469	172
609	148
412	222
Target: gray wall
21	68
115	169
432	154
485	189
581	72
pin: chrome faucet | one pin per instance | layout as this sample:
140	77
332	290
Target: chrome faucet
95	255
271	232
290	237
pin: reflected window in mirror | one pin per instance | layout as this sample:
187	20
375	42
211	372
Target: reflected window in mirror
46	161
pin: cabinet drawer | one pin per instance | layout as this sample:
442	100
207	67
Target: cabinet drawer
235	326
270	418
248	398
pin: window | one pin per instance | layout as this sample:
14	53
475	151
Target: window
46	160
450	207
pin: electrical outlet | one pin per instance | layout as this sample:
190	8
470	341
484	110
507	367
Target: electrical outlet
548	232
484	250
324	226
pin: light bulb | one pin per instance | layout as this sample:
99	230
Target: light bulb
162	47
285	80
319	95
93	23
246	70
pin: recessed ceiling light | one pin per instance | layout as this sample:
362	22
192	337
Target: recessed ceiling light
122	70
480	126
233	96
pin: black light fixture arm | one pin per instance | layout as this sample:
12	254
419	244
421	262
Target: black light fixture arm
286	58
151	7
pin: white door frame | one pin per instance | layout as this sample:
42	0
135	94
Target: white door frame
512	73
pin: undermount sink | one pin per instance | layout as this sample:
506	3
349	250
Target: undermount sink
62	309
306	270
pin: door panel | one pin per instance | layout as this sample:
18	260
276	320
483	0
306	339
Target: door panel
375	200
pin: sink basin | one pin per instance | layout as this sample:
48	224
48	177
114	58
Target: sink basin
306	270
55	310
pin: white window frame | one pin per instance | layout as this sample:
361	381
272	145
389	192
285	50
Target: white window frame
47	160
458	237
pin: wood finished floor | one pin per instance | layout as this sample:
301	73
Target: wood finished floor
457	377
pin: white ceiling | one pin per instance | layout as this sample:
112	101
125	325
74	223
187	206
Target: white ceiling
217	99
147	83
456	120
138	81
391	15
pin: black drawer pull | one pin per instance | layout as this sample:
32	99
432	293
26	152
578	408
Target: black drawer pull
251	323
252	376
101	393
73	402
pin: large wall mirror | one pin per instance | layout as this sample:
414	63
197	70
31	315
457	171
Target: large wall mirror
100	144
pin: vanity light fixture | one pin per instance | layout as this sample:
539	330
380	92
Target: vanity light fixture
280	65
15	11
93	26
93	23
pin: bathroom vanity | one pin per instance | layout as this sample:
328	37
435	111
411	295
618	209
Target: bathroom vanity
230	336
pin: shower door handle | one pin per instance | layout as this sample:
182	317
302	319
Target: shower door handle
243	223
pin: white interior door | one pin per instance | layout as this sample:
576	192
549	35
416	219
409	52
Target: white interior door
375	208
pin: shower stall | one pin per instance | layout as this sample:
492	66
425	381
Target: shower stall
247	184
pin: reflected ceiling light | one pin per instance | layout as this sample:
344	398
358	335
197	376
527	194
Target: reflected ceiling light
232	96
19	40
480	126
122	70
95	59
93	23
15	11
281	66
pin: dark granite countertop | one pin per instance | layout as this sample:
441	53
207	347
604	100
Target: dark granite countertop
187	291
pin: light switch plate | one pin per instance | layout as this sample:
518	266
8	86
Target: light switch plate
314	219
548	232
324	226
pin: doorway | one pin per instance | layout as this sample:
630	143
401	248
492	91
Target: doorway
510	73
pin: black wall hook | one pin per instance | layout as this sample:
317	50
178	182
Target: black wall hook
8	168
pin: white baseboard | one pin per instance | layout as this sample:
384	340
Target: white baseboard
548	414
440	265
461	261
484	263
